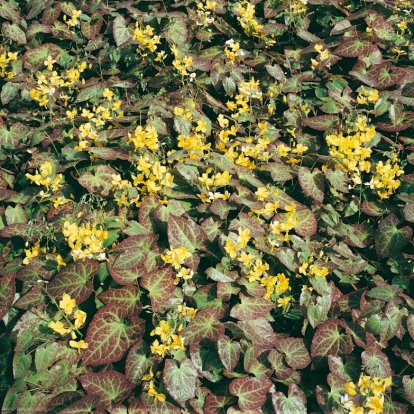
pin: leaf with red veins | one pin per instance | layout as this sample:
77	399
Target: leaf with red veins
127	298
203	326
375	362
329	340
312	183
160	286
109	386
294	403
84	405
100	181
184	232
251	308
296	354
7	292
74	280
110	334
229	352
260	332
251	391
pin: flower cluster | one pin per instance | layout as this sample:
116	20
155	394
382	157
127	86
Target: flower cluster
150	387
248	21
385	180
169	339
367	96
144	138
73	21
367	396
193	142
313	269
51	85
323	54
350	150
67	306
5	59
46	176
85	241
152	175
176	258
96	118
183	64
234	244
146	39
233	52
204	10
279	229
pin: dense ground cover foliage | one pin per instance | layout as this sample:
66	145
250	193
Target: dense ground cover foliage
207	206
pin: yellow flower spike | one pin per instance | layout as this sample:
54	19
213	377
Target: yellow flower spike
78	345
67	304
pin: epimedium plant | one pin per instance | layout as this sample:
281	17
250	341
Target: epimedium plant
206	206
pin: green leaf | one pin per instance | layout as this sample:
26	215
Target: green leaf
9	91
280	171
409	212
9	11
160	286
45	356
408	384
84	405
121	32
245	221
322	122
410	324
100	183
296	354
229	352
74	280
109	335
353	48
137	362
221	274
21	364
329	340
312	183
185	233
251	308
385	293
133	250
7	293
110	386
177	32
294	403
204	326
180	381
252	392
126	298
307	225
338	179
34	58
15	214
12	138
375	362
13	32
389	239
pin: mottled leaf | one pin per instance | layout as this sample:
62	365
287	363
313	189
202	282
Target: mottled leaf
251	391
251	308
184	232
307	225
203	326
13	32
294	403
137	362
312	183
110	386
322	122
74	280
259	332
7	292
229	352
389	238
296	354
376	363
180	380
126	298
121	31
109	335
353	48
133	250
160	286
99	182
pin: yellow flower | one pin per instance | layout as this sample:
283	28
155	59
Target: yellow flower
58	327
283	302
153	393
376	403
78	345
67	304
243	237
355	410
350	388
60	261
163	330
80	317
148	376
159	349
